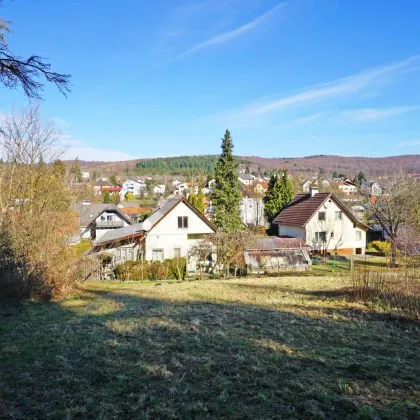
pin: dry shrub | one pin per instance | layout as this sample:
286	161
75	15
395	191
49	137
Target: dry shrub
394	291
175	268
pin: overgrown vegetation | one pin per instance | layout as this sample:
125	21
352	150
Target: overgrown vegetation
175	268
396	292
238	349
35	216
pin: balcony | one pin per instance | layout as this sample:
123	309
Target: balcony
109	224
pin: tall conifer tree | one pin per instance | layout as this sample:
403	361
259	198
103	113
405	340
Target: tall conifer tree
226	197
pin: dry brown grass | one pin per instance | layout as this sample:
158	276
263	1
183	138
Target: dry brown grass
239	349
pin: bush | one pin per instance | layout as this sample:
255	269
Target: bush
177	268
394	291
383	247
152	270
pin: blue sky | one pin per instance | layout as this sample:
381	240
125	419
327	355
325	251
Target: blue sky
167	77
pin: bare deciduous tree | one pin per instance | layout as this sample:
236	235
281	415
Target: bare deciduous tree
17	71
397	207
35	217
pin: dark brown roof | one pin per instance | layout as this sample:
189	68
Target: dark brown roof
303	207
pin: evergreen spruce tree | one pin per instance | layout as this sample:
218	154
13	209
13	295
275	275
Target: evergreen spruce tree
279	195
286	190
106	197
273	198
226	197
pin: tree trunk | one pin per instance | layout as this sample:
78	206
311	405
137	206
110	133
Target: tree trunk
393	260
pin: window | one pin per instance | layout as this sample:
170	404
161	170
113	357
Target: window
358	235
110	218
321	216
338	215
183	222
130	256
177	252
332	235
320	236
157	255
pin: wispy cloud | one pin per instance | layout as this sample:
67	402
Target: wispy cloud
230	35
415	142
305	120
374	114
351	85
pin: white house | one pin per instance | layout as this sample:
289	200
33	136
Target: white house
181	188
131	186
159	189
169	232
85	175
252	211
347	187
371	188
175	183
95	220
325	223
246	179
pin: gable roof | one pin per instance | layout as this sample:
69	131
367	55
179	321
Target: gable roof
90	212
303	207
148	224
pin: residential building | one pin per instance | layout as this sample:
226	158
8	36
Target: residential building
95	220
181	188
246	179
325	223
85	175
260	187
371	188
99	186
170	231
347	187
159	189
133	187
252	211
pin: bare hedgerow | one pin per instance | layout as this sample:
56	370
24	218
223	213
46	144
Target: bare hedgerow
35	215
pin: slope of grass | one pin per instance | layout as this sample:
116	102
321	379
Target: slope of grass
241	349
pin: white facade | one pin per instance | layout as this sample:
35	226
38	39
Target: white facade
246	179
181	188
347	188
104	223
330	231
159	189
85	175
252	211
371	188
166	240
132	187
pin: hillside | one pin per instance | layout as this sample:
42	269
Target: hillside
306	165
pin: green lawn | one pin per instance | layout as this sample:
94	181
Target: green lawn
289	347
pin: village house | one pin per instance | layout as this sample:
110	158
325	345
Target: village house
246	179
132	187
252	211
347	187
325	223
260	187
99	186
95	220
371	188
169	232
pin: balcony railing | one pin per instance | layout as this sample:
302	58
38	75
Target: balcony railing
109	224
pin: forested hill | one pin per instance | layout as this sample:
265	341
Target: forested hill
204	164
182	165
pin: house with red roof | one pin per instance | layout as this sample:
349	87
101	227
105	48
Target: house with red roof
325	222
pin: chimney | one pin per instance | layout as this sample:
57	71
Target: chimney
313	189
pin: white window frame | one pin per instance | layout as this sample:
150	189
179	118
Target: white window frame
318	237
319	215
155	251
358	235
177	250
183	220
339	215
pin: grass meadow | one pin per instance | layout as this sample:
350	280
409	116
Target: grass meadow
289	347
